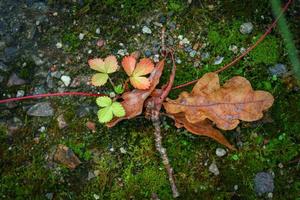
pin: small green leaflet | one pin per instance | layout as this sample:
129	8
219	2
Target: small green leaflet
109	109
119	89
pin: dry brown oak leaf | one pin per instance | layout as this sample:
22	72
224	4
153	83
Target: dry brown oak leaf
133	101
224	106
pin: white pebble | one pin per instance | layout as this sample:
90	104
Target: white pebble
123	151
98	31
214	169
146	30
66	80
220	152
81	36
20	93
59	45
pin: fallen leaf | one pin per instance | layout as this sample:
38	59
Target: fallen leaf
133	101
204	128
225	106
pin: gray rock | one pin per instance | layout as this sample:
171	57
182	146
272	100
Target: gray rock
218	60
147	53
220	152
42	109
205	55
4	67
263	183
91	175
146	30
213	168
15	80
66	80
278	70
246	28
20	93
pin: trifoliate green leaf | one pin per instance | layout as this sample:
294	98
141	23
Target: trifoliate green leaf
103	101
119	89
118	109
99	79
105	114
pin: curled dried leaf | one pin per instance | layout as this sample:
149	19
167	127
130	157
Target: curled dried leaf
133	101
225	106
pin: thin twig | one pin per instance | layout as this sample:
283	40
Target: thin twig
163	152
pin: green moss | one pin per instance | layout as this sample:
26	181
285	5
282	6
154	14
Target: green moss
267	52
71	40
142	183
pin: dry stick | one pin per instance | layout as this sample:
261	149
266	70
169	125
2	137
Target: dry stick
163	152
247	51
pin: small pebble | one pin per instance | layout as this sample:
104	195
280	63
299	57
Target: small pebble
246	28
218	60
147	53
81	36
123	151
156	58
96	196
146	30
220	152
233	48
66	80
263	183
100	43
20	93
205	55
98	31
59	45
214	169
178	61
235	187
278	70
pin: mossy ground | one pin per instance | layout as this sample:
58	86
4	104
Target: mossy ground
140	172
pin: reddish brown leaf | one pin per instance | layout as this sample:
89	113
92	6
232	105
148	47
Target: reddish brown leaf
225	106
201	128
133	101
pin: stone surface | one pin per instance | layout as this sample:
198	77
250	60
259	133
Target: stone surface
246	28
263	183
64	155
66	80
213	168
15	80
278	69
42	109
218	60
220	152
146	30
